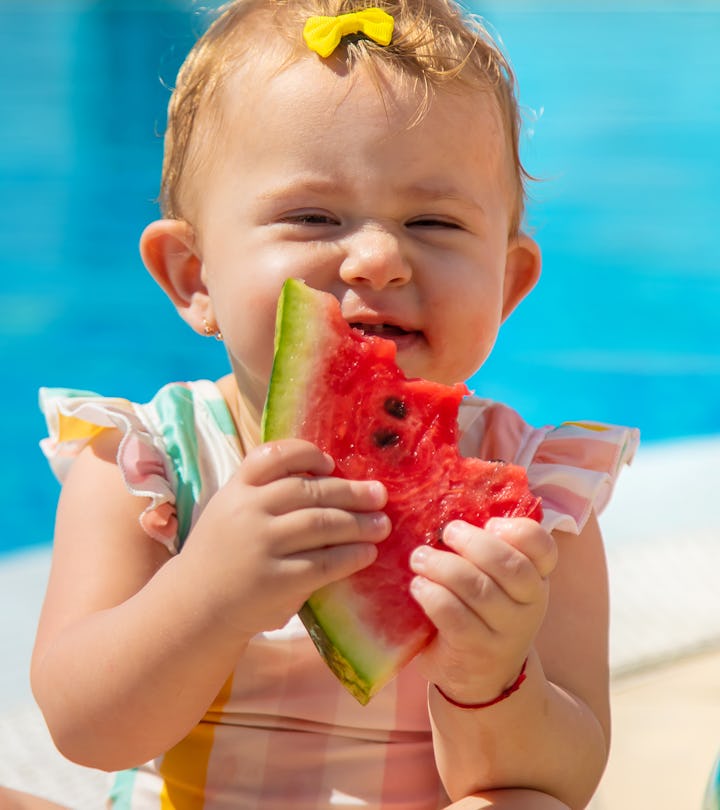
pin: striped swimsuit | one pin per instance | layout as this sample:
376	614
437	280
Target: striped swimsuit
283	732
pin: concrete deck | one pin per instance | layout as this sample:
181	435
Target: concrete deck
666	736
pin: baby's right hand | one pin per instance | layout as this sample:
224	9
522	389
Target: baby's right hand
278	530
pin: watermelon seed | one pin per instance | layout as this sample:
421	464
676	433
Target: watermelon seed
395	407
386	437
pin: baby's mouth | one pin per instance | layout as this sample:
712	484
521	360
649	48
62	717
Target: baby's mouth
404	339
384	330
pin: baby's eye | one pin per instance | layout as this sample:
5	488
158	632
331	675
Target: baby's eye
433	222
310	218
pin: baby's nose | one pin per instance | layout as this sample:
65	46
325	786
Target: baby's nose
374	256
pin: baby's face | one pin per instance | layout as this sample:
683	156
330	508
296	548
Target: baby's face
324	178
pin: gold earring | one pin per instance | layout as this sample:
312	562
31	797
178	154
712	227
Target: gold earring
211	331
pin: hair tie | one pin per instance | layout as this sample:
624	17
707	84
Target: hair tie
323	34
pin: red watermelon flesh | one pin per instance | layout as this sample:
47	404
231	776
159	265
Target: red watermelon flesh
343	391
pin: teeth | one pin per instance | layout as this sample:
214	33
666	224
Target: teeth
377	328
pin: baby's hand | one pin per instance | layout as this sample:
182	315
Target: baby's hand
487	601
281	528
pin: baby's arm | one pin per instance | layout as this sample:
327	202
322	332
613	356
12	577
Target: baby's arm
552	734
509	799
133	645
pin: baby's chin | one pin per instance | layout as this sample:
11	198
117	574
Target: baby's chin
414	366
417	365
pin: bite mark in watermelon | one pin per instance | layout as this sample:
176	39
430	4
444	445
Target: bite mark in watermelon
343	391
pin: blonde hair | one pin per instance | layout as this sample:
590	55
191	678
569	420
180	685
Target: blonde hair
433	43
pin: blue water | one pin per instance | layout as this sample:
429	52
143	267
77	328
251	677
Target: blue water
623	116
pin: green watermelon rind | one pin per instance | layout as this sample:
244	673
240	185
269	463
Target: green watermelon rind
357	658
294	361
329	618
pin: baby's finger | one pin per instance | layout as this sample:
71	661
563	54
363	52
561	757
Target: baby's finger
448	586
450	614
304	492
324	565
514	552
530	538
314	528
283	458
495	564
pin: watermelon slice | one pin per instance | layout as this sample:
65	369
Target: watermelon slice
343	391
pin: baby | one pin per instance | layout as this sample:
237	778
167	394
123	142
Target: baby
372	153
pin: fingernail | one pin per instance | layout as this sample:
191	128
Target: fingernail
452	529
417	585
418	558
499	525
378	492
455	531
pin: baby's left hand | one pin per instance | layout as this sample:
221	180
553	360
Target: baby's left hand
487	600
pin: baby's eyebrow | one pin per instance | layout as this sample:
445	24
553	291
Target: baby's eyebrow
431	192
301	185
424	193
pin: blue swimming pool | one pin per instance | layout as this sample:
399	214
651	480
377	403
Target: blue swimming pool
623	115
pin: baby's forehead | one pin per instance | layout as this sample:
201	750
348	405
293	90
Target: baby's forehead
244	62
306	98
405	95
318	126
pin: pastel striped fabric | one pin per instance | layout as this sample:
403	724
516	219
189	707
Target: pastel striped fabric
572	467
177	450
283	732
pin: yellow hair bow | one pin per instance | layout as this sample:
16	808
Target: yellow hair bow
323	34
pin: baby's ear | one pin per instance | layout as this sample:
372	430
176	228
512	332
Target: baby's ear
169	252
522	270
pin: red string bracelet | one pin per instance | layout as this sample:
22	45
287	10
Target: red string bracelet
514	686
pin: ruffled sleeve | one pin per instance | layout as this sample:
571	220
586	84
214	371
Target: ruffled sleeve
176	450
574	470
572	467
